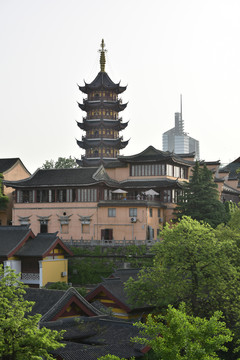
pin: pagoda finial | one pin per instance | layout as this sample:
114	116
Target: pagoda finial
102	56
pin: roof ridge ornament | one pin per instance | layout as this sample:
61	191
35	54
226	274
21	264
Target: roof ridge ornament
102	56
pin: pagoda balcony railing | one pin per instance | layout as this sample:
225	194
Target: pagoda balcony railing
100	137
104	117
104	98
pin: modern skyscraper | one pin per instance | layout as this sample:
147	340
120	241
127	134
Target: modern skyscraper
178	141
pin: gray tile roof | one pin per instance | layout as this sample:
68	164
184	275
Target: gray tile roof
151	154
125	274
97	336
49	303
40	245
11	237
6	164
232	169
63	177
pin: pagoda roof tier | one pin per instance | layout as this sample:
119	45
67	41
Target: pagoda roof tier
102	82
99	104
102	123
104	142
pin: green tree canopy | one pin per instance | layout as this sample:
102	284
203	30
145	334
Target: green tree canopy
178	336
20	335
200	198
61	163
194	265
3	198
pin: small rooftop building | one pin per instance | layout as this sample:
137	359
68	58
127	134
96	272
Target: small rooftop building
40	259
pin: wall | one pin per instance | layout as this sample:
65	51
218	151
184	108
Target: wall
51	270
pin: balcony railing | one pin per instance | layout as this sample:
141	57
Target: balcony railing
30	278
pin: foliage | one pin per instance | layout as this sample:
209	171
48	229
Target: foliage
177	335
194	265
20	336
60	285
3	198
234	222
61	163
200	198
112	357
90	270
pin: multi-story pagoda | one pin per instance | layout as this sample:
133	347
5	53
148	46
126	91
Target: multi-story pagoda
102	123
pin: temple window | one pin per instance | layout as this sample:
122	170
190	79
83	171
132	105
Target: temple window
111	212
61	195
44	223
169	170
176	171
167	196
87	195
133	212
150	212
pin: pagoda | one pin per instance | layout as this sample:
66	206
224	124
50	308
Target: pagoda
102	123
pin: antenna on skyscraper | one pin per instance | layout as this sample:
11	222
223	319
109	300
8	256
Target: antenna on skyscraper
181	105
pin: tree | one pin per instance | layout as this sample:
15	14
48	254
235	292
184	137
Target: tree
3	198
20	335
61	163
193	265
200	198
112	357
177	335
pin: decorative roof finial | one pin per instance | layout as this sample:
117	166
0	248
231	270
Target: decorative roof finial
102	56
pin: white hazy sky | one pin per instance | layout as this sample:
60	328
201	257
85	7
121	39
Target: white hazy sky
159	48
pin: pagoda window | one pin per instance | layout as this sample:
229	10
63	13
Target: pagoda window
96	152
96	96
96	133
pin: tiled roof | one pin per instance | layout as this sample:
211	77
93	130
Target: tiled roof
230	190
149	183
6	164
49	303
95	337
151	154
62	177
125	274
102	81
11	237
232	169
40	245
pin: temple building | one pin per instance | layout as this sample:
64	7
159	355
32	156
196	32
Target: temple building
178	141
102	123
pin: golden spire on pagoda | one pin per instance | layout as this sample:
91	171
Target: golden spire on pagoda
102	56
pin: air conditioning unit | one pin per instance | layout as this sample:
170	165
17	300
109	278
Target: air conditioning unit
63	273
133	219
